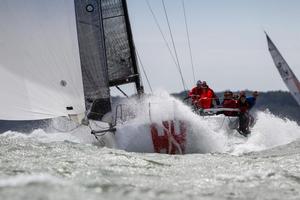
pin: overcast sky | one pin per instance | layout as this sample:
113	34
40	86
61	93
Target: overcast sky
227	39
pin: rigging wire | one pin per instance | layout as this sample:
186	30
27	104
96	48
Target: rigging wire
173	43
144	71
188	38
161	32
165	40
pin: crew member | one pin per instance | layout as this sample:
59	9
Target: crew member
229	102
236	97
252	100
207	96
196	92
225	96
243	105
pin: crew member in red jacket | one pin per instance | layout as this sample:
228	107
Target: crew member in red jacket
207	96
195	93
229	102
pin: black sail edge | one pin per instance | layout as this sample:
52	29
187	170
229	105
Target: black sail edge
93	57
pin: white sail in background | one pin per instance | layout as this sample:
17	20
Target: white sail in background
40	73
285	71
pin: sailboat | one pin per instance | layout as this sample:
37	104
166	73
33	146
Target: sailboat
284	70
60	59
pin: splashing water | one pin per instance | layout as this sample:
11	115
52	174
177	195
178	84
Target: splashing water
204	134
67	165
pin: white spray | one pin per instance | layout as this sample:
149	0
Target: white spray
204	134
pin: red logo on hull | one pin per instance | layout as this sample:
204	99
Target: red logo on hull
169	141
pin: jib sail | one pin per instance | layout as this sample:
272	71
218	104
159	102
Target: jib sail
40	71
285	71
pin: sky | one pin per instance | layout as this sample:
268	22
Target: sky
228	44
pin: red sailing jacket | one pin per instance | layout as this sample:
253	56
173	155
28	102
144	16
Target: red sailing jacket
230	103
195	94
206	99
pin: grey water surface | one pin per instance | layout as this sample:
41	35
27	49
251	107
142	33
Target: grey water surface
38	167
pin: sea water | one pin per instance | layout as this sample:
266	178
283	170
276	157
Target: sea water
219	163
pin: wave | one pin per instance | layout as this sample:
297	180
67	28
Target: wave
80	135
204	134
23	180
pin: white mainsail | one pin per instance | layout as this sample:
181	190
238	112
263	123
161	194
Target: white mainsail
285	71
40	73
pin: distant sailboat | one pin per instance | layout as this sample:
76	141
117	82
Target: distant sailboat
285	71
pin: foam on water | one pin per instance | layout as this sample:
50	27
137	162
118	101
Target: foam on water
64	165
22	180
80	135
268	132
204	134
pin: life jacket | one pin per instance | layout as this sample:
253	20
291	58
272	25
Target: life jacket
230	103
206	99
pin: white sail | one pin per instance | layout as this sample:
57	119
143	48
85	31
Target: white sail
285	71
40	73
